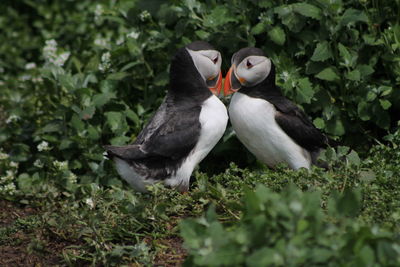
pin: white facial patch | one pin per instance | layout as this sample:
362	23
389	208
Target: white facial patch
207	62
253	70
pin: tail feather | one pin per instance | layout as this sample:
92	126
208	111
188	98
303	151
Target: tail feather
129	152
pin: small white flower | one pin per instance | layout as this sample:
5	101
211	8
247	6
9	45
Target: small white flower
7	178
61	58
285	75
3	156
144	15
72	178
99	41
43	146
133	34
262	16
49	50
105	62
60	165
14	164
30	65
38	163
89	202
1	69
9	188
99	10
25	77
12	118
106	57
51	56
37	79
105	154
120	40
51	43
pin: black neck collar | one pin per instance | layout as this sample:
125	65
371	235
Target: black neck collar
267	89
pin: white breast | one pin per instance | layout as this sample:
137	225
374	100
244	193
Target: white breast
253	120
213	119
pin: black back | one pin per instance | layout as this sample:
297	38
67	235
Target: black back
289	117
174	129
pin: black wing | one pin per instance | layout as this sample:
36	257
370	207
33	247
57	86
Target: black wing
171	134
296	124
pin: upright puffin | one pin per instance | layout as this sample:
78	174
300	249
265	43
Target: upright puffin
184	129
273	128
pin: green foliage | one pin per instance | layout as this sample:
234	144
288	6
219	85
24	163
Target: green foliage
289	229
93	73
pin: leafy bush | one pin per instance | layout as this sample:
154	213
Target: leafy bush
289	229
93	73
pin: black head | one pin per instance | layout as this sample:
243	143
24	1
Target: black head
195	71
251	71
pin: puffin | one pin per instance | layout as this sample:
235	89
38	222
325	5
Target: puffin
187	125
269	125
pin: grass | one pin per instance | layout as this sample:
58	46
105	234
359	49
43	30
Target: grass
115	225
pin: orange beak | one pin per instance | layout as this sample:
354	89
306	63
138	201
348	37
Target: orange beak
228	83
218	86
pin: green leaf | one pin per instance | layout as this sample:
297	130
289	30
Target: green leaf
130	114
277	35
354	75
68	82
365	70
319	123
385	104
259	28
117	122
161	79
385	90
65	143
363	111
25	182
348	59
367	255
307	10
335	127
265	257
322	52
117	76
101	99
219	16
51	127
87	113
203	35
77	123
328	74
353	158
304	91
294	22
353	15
367	176
371	96
119	140
93	133
350	202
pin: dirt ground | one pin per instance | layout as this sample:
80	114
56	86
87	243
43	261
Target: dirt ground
22	244
17	243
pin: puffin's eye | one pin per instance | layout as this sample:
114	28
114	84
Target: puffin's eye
215	60
248	64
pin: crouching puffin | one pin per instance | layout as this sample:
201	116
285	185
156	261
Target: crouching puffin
184	129
273	128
